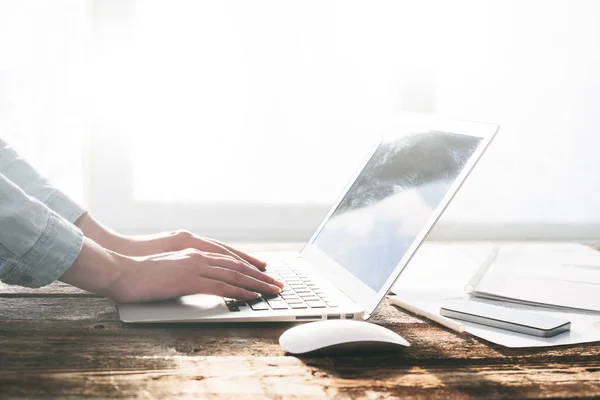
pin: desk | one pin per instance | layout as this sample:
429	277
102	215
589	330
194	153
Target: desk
62	342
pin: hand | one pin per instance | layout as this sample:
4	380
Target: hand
190	271
167	275
181	240
160	243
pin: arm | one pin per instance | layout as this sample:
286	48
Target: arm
37	247
159	243
164	276
36	244
23	175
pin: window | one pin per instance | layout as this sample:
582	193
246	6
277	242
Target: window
248	118
43	94
244	120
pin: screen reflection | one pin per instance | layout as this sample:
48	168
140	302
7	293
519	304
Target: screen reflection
391	200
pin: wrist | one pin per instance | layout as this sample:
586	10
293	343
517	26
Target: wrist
96	269
151	244
108	238
98	233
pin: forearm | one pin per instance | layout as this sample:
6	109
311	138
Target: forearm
36	244
100	234
96	269
111	240
165	242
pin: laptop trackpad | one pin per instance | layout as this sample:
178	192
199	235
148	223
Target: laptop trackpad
185	308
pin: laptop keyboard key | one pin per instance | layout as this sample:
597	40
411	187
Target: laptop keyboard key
270	296
294	301
258	305
316	304
278	305
231	305
299	292
255	301
310	298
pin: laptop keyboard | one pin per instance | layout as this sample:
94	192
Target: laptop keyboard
300	292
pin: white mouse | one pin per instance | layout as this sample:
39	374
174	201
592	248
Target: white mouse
339	336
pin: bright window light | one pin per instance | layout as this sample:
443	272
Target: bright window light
44	92
244	118
268	102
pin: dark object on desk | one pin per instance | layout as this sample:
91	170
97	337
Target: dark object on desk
511	319
341	337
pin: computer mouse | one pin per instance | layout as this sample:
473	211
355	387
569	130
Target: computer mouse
340	337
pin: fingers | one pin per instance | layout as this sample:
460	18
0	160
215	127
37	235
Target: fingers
233	272
223	289
184	239
242	267
238	279
211	246
247	257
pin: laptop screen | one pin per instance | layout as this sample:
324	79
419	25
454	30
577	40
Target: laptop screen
391	200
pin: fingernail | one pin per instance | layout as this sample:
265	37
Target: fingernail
275	289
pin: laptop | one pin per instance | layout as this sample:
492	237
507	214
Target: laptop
366	240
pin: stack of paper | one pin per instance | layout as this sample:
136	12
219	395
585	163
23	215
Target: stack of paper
556	275
438	273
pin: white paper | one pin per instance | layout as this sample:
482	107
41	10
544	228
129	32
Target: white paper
439	273
560	275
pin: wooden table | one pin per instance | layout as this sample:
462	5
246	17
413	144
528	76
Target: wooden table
62	342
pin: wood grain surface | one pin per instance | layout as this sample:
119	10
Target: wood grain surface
61	342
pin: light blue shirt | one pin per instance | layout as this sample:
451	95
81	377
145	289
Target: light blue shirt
38	241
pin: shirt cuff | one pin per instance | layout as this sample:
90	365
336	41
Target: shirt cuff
64	206
54	252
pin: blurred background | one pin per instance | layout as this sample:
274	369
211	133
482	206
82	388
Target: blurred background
244	120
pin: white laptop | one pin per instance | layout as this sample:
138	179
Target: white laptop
366	240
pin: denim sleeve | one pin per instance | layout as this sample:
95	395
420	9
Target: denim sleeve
36	244
23	175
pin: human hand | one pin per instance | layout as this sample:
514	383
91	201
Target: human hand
181	240
180	273
159	243
168	275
